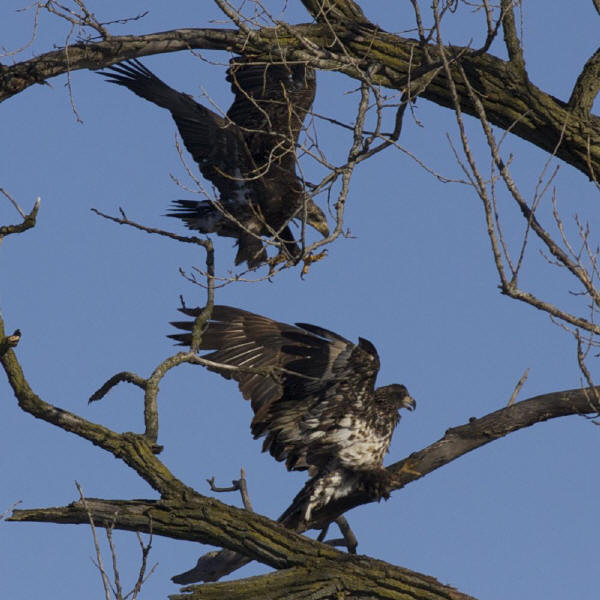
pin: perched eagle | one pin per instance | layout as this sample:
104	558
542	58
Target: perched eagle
249	155
314	400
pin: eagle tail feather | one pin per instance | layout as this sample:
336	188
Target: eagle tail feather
250	250
199	215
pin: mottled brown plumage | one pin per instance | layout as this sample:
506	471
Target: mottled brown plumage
313	396
249	155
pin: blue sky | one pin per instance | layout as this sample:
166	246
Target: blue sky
513	519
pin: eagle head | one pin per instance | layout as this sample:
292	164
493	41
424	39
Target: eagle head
316	218
396	395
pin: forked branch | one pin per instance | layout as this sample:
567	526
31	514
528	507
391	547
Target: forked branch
196	518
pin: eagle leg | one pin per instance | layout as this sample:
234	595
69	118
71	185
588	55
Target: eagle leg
349	538
377	483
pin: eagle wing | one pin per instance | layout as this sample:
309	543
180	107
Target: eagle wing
214	142
307	385
271	103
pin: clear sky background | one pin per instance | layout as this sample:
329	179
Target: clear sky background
515	519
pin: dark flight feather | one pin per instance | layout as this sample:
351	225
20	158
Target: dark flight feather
314	399
249	155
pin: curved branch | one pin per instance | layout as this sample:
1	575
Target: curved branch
510	103
123	376
210	521
330	11
135	450
587	86
250	536
474	434
95	55
27	223
456	442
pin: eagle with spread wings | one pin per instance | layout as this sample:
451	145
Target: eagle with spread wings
249	155
314	400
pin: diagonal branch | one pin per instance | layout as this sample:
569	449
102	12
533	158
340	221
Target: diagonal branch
349	47
255	537
587	86
27	223
209	521
335	11
511	38
135	450
457	441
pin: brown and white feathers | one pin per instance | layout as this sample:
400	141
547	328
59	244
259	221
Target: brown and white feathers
313	395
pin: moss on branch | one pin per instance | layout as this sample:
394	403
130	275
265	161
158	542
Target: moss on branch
307	566
510	100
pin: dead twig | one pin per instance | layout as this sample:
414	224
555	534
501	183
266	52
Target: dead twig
237	485
518	387
124	220
98	562
29	220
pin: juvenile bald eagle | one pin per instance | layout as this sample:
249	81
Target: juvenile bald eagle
314	400
249	155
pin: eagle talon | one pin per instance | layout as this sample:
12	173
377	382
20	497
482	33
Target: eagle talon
279	259
310	259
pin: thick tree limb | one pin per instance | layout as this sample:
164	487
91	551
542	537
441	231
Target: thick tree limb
135	450
369	579
511	38
197	519
208	521
587	86
335	11
325	570
457	441
508	99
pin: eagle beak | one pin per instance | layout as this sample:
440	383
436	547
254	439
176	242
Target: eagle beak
409	402
315	217
321	227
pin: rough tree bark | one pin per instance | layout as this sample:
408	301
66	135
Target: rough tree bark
183	513
306	568
510	99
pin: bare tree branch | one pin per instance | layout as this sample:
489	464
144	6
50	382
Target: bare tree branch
543	116
330	11
28	222
511	38
115	380
467	81
518	387
99	562
135	450
587	86
196	519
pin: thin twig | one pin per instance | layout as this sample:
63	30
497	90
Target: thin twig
125	376
237	485
142	577
99	564
518	387
124	220
13	202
